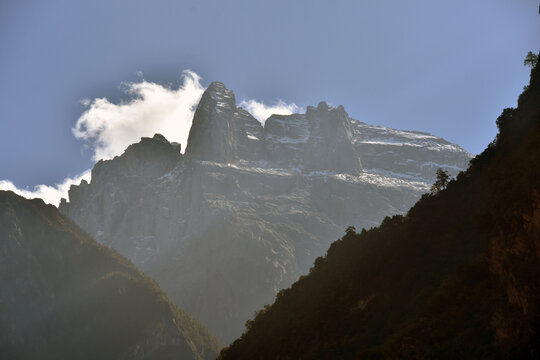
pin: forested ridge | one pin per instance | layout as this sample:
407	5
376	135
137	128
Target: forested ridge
64	296
456	277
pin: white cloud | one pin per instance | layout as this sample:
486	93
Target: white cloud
110	128
262	112
49	194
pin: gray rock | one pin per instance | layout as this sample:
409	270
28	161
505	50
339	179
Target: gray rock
222	132
330	144
248	209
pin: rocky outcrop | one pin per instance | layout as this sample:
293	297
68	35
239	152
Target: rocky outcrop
330	144
406	154
324	139
247	209
151	158
222	132
212	136
319	140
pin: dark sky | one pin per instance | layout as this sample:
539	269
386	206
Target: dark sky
448	68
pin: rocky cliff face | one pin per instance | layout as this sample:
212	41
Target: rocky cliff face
213	135
330	144
247	209
64	296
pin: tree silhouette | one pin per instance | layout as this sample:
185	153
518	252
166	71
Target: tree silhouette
531	59
442	181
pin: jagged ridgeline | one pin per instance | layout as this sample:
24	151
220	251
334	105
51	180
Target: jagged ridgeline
249	207
457	277
64	296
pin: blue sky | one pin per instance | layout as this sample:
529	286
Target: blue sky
448	68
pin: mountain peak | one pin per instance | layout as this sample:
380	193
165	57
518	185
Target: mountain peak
217	86
218	92
211	136
331	146
148	149
159	137
147	158
323	105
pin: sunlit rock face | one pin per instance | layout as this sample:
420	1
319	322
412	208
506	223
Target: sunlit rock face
330	144
248	208
319	140
221	132
213	135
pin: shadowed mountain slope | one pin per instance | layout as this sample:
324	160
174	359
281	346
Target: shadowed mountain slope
457	277
64	296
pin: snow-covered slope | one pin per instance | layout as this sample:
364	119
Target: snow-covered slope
248	208
406	154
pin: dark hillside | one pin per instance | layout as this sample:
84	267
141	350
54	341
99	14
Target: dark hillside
66	297
456	278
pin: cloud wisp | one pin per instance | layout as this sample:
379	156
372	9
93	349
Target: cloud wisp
262	112
153	108
108	128
49	194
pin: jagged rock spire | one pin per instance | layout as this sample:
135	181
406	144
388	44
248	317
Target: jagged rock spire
212	134
330	146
